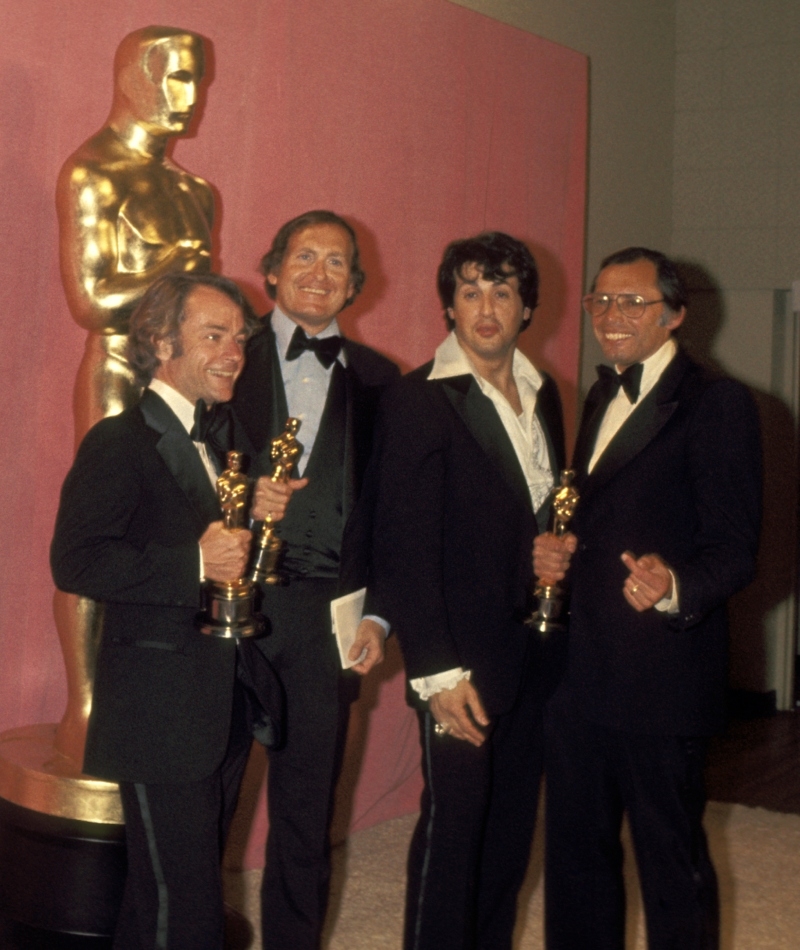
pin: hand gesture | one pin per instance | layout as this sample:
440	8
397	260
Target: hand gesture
649	581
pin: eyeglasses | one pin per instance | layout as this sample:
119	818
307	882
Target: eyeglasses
630	305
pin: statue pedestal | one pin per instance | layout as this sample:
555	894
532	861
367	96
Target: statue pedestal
62	839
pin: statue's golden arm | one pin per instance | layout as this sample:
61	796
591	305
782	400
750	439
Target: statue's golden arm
106	263
203	195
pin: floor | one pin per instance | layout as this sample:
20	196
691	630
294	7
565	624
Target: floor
756	763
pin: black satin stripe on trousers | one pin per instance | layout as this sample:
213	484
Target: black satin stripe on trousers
162	915
416	924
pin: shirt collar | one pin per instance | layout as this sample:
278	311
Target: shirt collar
654	366
179	404
451	360
284	328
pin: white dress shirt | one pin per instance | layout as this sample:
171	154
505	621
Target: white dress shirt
305	381
526	435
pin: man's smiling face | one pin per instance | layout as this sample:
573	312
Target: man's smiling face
314	282
210	352
626	340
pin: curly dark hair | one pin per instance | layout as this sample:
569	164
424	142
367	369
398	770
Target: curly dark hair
498	256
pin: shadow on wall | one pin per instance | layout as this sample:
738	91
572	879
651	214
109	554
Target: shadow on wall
776	578
548	317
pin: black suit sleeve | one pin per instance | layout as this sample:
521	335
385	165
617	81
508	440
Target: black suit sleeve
724	466
103	546
409	531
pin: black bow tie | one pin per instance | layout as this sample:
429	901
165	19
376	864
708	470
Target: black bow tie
212	427
630	380
326	349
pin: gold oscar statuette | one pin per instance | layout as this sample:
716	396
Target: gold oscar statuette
269	548
545	618
229	610
127	214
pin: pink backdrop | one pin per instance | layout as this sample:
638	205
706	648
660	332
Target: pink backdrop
417	119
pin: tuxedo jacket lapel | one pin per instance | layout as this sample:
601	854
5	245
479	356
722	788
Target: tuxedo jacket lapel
593	412
342	406
638	430
352	388
548	412
260	397
482	420
279	410
180	456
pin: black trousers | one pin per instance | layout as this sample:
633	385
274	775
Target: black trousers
175	835
471	846
303	772
594	776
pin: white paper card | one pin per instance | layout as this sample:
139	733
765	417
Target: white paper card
346	613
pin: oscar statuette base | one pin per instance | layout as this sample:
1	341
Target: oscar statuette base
545	619
62	840
230	611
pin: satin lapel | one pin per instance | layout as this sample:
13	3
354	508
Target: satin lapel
593	412
260	397
349	488
640	428
548	412
278	407
180	456
482	420
272	417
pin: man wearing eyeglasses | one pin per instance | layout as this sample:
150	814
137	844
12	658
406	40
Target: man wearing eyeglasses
668	465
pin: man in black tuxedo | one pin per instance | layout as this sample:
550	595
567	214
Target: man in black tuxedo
138	527
471	445
668	466
300	366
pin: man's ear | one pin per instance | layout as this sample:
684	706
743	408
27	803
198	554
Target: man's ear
163	349
676	319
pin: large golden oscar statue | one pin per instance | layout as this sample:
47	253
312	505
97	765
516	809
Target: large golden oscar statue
127	214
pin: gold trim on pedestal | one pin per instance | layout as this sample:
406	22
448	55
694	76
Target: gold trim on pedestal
35	776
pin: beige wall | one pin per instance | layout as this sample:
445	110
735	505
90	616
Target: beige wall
631	49
736	213
737	140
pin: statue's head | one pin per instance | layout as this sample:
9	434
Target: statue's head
156	74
